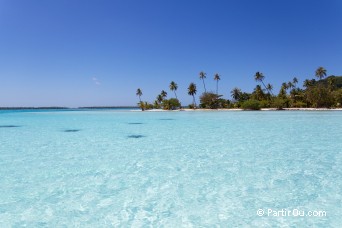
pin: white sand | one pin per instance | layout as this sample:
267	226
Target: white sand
238	109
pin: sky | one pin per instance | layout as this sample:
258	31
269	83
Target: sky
76	53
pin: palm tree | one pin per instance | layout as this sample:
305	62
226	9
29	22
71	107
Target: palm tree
236	93
260	77
259	94
163	94
217	78
321	73
192	90
156	104
307	83
202	76
290	85
284	86
174	87
269	87
331	83
295	81
282	92
160	98
139	93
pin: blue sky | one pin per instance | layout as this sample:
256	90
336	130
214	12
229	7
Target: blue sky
81	53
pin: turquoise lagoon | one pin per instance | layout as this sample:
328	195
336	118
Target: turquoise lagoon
169	169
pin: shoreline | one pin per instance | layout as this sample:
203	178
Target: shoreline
238	109
136	109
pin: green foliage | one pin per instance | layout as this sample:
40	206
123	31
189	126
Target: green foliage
251	105
323	92
279	103
156	104
145	105
319	96
282	93
223	103
211	100
298	104
245	96
171	104
258	93
337	96
337	81
265	104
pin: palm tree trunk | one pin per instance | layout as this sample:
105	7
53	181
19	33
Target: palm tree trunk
217	87
194	101
266	87
205	90
176	95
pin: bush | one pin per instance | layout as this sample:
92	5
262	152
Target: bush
299	104
337	95
280	103
319	97
145	105
210	100
191	106
223	103
251	105
237	105
171	104
264	104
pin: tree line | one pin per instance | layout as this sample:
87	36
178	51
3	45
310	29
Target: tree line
325	92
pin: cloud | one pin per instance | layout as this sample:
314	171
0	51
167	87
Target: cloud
96	81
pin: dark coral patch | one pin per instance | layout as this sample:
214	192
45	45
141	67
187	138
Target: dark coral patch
71	130
8	126
135	136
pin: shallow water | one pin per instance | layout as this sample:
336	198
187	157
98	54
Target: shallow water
121	168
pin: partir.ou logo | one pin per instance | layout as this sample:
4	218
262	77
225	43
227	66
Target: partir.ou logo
297	212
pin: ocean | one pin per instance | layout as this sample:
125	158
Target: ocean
123	168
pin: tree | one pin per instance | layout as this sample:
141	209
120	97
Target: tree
210	100
159	98
307	83
295	81
217	78
156	104
296	94
282	93
321	73
331	83
139	93
290	85
285	86
145	106
202	76
236	94
269	87
319	96
260	77
258	93
163	94
192	90
251	105
174	87
171	104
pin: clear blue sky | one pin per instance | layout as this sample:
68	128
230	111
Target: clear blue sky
79	53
